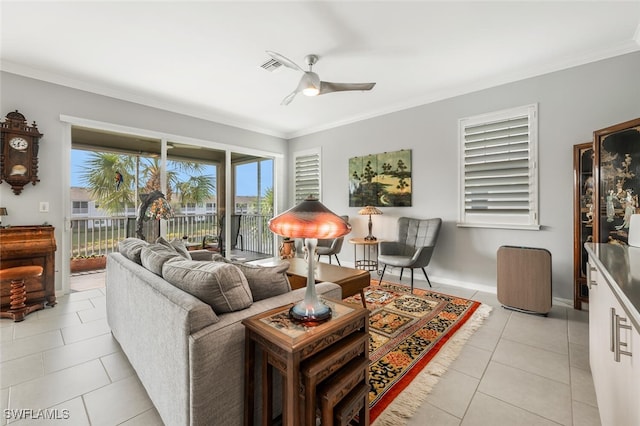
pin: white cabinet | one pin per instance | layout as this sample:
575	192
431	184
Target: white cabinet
614	355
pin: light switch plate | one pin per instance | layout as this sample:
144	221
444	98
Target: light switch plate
44	206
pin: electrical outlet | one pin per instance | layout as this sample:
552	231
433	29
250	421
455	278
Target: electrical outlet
44	207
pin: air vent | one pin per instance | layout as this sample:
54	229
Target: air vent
271	65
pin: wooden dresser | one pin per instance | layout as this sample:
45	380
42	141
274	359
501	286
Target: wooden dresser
29	245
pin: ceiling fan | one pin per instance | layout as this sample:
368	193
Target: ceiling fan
310	84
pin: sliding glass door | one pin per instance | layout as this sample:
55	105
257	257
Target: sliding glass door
111	173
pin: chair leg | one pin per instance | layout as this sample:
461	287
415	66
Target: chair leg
425	275
337	260
329	259
401	271
411	280
384	268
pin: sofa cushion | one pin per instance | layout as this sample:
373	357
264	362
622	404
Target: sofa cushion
264	281
153	256
131	248
221	285
175	244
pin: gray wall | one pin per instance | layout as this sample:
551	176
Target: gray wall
571	105
45	102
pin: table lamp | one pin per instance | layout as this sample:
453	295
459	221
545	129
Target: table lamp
310	220
3	212
370	210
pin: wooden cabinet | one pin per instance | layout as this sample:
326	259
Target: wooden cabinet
606	188
29	245
614	354
583	218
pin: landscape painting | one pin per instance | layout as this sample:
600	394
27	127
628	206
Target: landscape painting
381	180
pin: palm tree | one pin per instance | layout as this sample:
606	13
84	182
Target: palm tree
266	207
99	176
196	189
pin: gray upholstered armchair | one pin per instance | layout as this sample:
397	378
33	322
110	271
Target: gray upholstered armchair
414	247
331	247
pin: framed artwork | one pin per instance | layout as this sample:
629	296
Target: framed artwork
381	180
617	173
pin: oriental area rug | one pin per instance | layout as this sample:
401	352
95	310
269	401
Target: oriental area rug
413	339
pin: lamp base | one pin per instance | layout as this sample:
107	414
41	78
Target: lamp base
370	238
300	313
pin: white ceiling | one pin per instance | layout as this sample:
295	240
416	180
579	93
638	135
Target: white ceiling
201	58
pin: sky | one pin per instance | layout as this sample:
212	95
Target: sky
246	182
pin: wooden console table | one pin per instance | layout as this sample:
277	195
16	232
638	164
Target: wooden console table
28	246
291	348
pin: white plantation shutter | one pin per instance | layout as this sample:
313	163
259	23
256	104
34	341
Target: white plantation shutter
307	175
498	179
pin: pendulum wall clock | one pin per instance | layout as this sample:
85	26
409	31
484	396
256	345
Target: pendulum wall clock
19	154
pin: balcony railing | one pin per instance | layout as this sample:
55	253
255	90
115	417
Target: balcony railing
100	235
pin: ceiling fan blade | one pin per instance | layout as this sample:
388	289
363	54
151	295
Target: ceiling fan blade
284	61
287	100
329	87
302	84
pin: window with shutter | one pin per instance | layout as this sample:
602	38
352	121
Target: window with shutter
498	169
307	175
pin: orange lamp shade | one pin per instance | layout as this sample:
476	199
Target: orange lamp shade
309	219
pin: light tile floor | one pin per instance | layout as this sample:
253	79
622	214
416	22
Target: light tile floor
516	369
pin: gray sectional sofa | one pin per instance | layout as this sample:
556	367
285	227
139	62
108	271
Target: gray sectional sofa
188	355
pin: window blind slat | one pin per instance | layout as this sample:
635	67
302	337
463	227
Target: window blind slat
513	122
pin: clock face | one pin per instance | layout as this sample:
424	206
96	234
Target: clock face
19	143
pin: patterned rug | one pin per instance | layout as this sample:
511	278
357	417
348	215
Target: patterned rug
413	339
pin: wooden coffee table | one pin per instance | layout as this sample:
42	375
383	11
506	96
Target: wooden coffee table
351	280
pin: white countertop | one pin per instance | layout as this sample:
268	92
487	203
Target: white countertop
620	266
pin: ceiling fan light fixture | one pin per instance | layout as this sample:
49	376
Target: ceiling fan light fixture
310	84
310	91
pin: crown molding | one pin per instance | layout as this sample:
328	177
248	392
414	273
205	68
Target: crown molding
111	92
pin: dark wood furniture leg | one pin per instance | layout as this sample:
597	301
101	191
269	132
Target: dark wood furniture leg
267	387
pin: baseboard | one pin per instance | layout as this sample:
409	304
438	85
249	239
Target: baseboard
418	276
557	301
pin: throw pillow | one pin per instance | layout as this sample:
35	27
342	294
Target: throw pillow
131	248
176	245
180	247
264	281
153	256
219	284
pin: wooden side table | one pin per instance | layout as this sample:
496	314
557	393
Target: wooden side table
285	345
327	363
367	262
